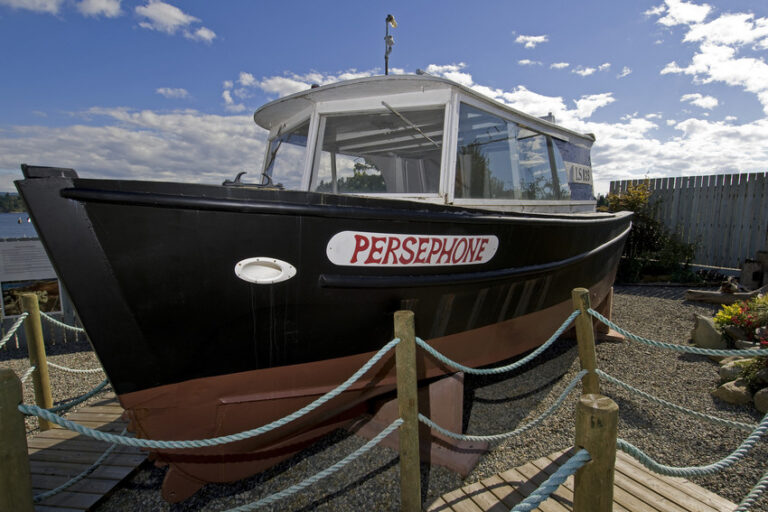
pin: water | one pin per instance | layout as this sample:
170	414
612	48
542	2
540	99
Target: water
10	227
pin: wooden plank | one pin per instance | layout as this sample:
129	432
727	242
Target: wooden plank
506	492
439	505
622	501
82	445
42	483
73	500
484	498
44	508
459	502
527	487
557	500
76	457
665	486
72	470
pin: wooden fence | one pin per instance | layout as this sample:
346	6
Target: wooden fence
725	215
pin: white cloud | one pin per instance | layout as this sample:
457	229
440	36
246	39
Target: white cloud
44	6
228	84
586	105
656	11
167	18
559	65
625	71
583	71
531	41
679	12
170	92
604	67
528	62
95	8
708	102
186	145
201	34
245	79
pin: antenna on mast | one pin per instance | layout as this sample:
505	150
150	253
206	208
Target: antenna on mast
388	41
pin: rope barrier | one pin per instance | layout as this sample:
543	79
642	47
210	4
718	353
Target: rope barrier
13	329
510	367
27	373
73	370
45	495
677	348
713	419
33	410
506	435
61	324
319	476
82	398
551	484
709	469
753	495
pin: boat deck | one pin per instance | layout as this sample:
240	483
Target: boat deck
635	489
57	455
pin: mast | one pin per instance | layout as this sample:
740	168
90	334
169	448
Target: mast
388	41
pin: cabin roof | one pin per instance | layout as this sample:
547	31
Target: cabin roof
275	112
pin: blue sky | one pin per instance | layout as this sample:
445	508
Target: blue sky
165	90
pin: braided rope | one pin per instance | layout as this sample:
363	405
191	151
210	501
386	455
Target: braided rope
506	435
712	419
678	348
709	469
33	410
61	324
27	373
82	398
90	469
753	495
502	369
322	474
13	329
73	370
551	484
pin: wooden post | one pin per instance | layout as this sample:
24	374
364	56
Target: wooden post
597	420
34	333
585	335
407	393
15	482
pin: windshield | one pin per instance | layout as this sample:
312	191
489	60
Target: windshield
286	157
394	151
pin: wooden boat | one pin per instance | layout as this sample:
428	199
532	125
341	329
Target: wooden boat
218	308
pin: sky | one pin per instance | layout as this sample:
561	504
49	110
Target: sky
165	90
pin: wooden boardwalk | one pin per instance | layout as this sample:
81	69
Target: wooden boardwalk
635	489
57	455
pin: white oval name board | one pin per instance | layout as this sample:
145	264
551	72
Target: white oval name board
363	249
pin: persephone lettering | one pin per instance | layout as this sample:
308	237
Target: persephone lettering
356	248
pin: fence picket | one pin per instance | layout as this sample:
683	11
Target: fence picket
726	215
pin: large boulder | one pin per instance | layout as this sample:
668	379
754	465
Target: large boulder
761	400
706	335
735	392
732	370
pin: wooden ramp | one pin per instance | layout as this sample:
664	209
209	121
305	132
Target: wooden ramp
57	455
635	489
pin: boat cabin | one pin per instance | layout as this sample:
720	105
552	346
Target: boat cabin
424	138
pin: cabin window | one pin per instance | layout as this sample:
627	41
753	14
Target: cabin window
393	152
286	157
499	159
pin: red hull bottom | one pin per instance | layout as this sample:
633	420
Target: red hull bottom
222	405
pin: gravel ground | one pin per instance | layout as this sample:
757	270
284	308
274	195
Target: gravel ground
494	405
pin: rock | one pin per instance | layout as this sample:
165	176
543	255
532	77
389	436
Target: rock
736	333
732	371
729	359
735	392
706	335
762	376
761	400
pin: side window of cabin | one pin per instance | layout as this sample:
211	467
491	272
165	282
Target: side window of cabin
498	159
286	156
379	152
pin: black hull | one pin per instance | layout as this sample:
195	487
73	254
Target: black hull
149	268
